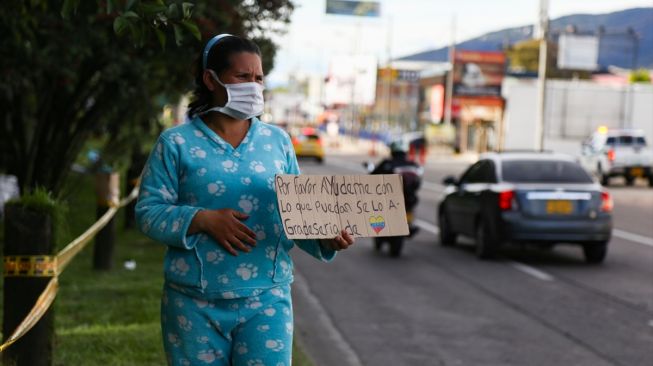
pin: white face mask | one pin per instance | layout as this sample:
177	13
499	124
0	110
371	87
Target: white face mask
244	100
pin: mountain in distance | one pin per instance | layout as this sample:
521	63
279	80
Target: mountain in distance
617	46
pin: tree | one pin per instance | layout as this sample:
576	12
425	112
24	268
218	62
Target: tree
72	67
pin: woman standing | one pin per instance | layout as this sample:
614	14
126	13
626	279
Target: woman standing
207	192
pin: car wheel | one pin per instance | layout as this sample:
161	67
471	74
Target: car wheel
396	244
447	236
605	180
378	244
650	180
485	247
595	252
319	160
630	181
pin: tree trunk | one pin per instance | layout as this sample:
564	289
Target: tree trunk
107	188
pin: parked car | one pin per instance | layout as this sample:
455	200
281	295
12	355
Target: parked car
535	198
308	144
611	153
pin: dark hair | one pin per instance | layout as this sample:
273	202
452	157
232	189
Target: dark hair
219	59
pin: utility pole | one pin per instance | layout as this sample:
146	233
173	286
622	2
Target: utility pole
541	74
449	92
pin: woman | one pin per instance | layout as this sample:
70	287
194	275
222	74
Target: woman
207	192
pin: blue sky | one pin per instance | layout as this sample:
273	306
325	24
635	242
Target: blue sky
417	25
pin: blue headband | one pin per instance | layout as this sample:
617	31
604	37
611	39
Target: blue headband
209	45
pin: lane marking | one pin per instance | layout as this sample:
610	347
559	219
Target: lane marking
427	226
540	275
335	339
635	238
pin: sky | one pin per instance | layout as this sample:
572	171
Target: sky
313	37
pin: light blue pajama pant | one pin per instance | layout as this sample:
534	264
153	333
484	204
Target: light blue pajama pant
249	331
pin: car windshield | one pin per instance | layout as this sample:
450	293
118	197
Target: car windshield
543	171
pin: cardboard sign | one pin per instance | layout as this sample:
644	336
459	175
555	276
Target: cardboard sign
320	206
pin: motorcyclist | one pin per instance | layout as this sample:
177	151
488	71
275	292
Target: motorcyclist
410	171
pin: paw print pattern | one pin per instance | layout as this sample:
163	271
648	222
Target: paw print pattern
177	138
271	207
269	312
223	279
270	253
246	181
201	304
209	356
199	134
201	172
216	188
214	257
280	165
253	303
289	327
179	267
263	328
271	183
241	348
169	195
265	132
179	303
177	224
202	340
260	232
277	230
163	225
277	292
247	271
184	323
275	345
197	152
174	340
229	295
248	203
267	147
255	362
229	166
257	166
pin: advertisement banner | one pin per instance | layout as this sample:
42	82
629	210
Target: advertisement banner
478	73
351	80
354	8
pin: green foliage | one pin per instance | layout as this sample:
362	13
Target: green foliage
525	57
42	201
72	69
640	76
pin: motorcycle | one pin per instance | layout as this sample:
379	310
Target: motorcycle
412	179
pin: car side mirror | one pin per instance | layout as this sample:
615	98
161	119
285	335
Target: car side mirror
450	181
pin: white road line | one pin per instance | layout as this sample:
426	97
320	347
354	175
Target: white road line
532	271
336	340
635	238
427	226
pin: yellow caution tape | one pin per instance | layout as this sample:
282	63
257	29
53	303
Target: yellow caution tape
60	262
38	310
30	266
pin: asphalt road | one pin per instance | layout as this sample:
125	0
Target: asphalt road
441	306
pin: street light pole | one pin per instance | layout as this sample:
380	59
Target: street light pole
541	74
449	92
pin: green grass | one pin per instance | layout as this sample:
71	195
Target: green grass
112	317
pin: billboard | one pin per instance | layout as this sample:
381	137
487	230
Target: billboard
578	52
478	73
354	8
351	80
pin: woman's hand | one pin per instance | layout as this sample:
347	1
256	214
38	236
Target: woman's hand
340	242
226	227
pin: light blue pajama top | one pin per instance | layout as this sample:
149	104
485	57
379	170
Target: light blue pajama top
193	168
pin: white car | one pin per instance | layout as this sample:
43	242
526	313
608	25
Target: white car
619	152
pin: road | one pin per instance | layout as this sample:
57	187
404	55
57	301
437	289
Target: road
441	306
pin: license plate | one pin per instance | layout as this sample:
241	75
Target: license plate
559	207
636	172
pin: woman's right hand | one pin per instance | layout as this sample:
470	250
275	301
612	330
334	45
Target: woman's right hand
226	227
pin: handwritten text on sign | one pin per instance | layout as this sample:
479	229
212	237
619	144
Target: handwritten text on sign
320	206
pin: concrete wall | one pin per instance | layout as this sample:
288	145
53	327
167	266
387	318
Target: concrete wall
574	109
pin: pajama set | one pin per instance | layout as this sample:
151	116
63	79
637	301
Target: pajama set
220	309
